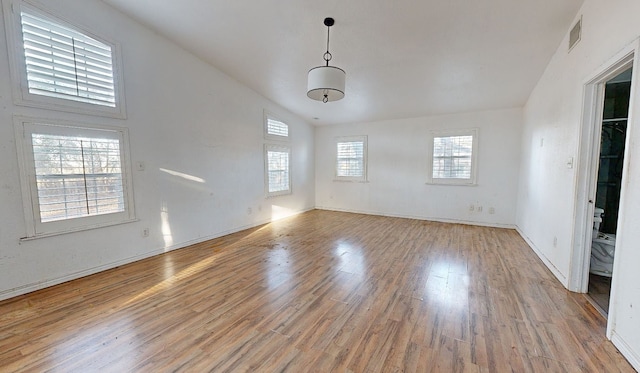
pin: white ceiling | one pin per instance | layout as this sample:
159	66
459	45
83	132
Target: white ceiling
403	58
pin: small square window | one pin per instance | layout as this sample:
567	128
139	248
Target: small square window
452	157
351	158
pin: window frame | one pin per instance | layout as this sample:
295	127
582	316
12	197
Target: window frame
344	139
280	148
269	136
22	97
24	127
472	180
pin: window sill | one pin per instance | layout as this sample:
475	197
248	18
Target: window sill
451	184
278	194
79	229
277	139
350	181
70	106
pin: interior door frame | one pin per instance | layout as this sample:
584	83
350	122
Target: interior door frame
588	163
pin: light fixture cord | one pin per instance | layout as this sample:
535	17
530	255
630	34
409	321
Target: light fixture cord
327	56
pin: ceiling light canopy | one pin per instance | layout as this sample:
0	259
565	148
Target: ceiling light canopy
326	83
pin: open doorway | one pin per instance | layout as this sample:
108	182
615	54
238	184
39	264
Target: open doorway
613	71
610	163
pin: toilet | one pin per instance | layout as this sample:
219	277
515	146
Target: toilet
602	248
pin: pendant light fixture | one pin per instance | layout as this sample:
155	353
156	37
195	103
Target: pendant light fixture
326	83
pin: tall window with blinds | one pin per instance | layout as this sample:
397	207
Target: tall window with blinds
453	157
351	157
76	176
277	167
61	67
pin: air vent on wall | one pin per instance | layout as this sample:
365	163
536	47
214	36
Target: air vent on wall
575	34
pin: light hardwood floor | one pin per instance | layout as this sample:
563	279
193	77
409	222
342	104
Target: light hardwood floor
319	292
600	291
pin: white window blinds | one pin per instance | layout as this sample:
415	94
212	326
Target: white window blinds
278	178
64	63
77	176
452	157
350	159
277	128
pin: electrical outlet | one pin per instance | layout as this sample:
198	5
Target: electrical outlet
472	207
479	208
492	210
145	232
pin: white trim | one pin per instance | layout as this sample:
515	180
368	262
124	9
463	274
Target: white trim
627	351
417	217
472	180
364	140
21	95
79	229
28	288
548	263
36	229
622	245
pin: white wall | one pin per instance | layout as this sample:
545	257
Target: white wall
183	116
397	167
546	198
188	117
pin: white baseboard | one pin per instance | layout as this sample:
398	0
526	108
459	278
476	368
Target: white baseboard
622	346
441	220
626	350
231	231
556	272
28	288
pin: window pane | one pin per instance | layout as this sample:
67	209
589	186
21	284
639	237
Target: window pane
276	127
64	63
77	176
278	170
452	157
350	159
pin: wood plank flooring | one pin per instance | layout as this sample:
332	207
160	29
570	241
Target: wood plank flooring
319	292
600	291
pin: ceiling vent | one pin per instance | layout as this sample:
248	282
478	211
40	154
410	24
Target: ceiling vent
575	34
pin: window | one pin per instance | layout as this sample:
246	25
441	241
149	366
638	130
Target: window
452	157
57	66
278	177
73	177
276	156
351	158
274	128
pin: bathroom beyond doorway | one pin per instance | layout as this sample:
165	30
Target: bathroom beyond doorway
609	182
